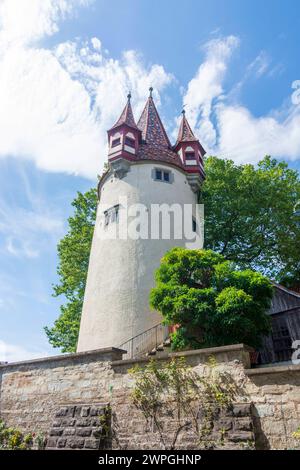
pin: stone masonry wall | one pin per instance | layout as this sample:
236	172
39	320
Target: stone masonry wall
33	392
80	427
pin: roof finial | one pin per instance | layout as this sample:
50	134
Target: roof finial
129	96
150	90
183	110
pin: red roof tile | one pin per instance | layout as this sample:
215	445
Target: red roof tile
153	131
126	116
185	133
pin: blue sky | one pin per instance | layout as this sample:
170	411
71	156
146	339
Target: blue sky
65	69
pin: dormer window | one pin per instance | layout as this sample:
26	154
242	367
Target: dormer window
190	156
116	142
130	142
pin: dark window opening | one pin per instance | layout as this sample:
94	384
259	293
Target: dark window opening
158	174
116	142
130	142
166	176
111	215
194	225
162	175
190	156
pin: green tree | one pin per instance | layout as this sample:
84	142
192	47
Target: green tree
73	253
250	215
211	301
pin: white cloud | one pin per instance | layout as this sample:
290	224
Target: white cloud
56	105
13	353
207	85
26	21
229	129
96	43
256	137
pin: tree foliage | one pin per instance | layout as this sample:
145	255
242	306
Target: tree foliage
73	253
212	302
250	215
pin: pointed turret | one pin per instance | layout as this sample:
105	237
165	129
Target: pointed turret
153	131
124	137
126	116
189	148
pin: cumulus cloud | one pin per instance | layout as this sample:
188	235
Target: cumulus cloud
231	130
256	137
207	86
24	22
57	104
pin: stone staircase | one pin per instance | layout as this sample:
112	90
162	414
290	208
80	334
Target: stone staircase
161	349
153	342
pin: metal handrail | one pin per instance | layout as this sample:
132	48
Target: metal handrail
143	343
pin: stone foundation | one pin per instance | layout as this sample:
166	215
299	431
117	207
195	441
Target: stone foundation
33	393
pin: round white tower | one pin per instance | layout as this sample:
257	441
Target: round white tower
144	173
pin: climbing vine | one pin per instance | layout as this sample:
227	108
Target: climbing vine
173	389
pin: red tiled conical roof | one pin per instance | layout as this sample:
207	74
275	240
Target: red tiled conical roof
153	131
185	133
126	116
155	143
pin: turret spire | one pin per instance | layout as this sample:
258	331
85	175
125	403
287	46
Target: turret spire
153	131
126	116
185	133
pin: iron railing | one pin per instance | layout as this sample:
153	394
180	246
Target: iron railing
145	342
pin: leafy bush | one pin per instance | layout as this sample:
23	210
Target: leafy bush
14	439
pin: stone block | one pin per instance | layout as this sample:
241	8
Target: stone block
51	442
83	432
223	424
69	431
68	422
61	443
85	411
242	409
241	436
83	422
97	432
62	412
56	432
75	443
92	444
243	424
56	424
262	410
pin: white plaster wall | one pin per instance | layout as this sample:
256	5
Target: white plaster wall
121	272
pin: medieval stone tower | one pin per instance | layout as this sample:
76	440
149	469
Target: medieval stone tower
144	169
